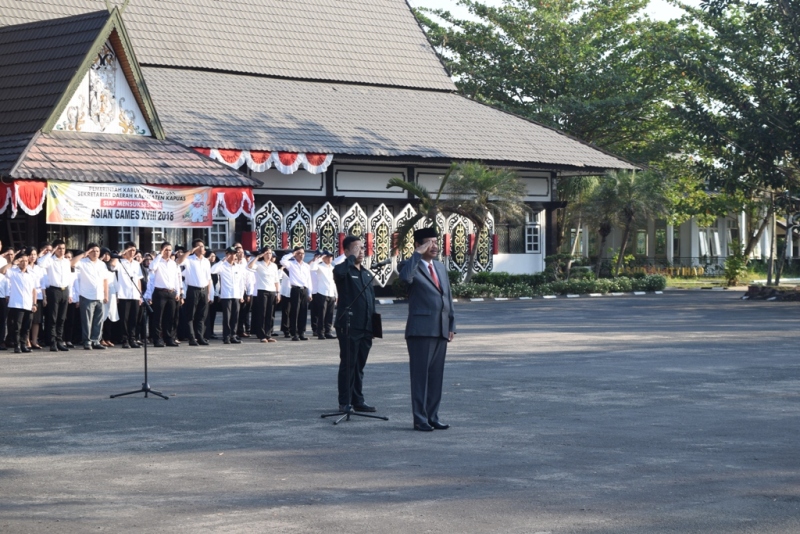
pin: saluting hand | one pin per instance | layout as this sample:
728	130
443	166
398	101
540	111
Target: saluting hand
423	248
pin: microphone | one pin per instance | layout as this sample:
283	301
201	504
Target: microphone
387	261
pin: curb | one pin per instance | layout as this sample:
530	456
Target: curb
543	297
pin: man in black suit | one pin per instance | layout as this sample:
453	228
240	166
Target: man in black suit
430	327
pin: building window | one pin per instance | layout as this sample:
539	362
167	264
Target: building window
532	239
158	238
218	235
510	239
126	233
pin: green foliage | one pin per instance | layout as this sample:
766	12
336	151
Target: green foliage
454	277
489	285
735	265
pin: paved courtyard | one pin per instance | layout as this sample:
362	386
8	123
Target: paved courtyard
673	413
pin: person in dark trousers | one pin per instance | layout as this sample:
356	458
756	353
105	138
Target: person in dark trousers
22	284
351	278
267	294
5	259
197	275
300	281
429	328
57	293
323	301
231	293
129	295
213	306
167	289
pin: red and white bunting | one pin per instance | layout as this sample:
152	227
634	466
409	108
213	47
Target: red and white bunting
28	195
261	160
234	201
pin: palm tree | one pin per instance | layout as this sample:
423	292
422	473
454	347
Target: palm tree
601	211
640	196
579	188
474	191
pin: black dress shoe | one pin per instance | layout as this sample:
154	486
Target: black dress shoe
172	344
287	334
236	340
126	345
17	350
62	347
53	348
345	408
192	343
303	338
213	336
69	345
25	349
226	341
422	427
97	346
330	336
159	343
201	342
87	346
321	337
364	408
295	338
438	426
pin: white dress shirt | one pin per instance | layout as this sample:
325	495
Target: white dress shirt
3	285
250	282
325	285
286	289
41	279
268	276
197	271
166	274
299	272
59	271
231	279
91	275
127	290
20	288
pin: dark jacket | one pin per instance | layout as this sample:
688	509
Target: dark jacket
430	310
349	283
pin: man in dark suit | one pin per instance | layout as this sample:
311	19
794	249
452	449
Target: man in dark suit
357	298
430	327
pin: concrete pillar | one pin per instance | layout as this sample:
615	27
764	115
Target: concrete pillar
693	244
670	243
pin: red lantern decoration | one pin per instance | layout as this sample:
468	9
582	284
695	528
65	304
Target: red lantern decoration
471	242
341	243
495	245
313	240
284	240
370	243
446	244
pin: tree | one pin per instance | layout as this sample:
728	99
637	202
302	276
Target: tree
626	199
601	211
474	191
599	70
742	105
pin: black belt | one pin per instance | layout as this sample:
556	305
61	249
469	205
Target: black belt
59	288
298	287
198	288
165	289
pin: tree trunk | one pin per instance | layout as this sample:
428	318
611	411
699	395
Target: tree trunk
753	239
603	237
621	257
472	254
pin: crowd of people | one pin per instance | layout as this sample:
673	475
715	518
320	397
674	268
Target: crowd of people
98	298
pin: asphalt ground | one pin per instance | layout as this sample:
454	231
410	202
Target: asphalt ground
671	413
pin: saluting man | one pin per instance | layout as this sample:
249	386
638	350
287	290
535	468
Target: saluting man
430	327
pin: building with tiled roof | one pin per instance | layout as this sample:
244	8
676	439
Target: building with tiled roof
318	102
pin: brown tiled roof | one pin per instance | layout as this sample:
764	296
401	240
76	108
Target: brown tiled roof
133	159
232	111
37	63
360	41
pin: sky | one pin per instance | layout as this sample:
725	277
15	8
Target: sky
658	9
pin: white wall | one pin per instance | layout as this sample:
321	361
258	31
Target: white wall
518	263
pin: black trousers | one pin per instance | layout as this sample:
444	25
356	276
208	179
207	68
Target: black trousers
19	325
298	315
244	316
3	318
286	310
230	317
350	384
263	312
128	319
213	309
322	313
163	314
196	310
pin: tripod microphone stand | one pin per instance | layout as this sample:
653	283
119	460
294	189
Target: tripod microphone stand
147	311
348	409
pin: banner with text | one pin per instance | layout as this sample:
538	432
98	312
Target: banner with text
128	205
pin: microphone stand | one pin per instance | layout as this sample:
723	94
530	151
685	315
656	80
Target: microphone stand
348	409
147	310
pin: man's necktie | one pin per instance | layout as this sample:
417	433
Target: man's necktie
433	275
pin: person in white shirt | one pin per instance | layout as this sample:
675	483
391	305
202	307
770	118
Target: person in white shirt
21	299
300	281
166	295
41	302
59	280
325	295
4	259
93	288
129	294
267	294
286	302
197	275
243	327
231	293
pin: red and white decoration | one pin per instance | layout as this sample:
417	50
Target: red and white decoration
28	195
260	161
234	201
